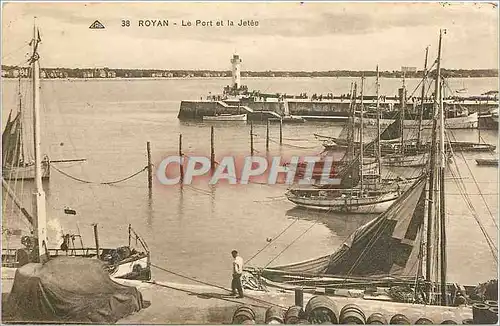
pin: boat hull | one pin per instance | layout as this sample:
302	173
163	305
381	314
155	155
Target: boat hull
405	161
486	161
136	267
368	205
232	117
25	172
467	122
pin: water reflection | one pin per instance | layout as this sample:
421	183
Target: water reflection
343	225
150	209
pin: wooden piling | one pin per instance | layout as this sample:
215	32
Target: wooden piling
150	169
281	131
251	139
96	235
212	150
181	168
299	297
267	136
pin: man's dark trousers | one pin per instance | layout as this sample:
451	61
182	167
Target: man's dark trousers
236	284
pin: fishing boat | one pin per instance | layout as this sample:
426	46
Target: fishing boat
387	254
225	117
488	120
17	155
466	121
289	119
368	197
487	161
354	200
402	160
124	262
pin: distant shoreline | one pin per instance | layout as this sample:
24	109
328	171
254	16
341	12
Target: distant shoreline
110	73
224	78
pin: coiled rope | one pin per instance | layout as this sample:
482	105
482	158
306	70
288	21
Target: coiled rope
102	183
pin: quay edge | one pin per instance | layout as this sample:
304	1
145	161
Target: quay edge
325	110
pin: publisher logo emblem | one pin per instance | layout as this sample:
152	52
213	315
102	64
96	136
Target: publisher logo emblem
97	25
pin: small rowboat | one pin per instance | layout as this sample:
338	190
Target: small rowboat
225	117
487	161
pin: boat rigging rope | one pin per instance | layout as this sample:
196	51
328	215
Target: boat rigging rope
293	146
102	183
294	240
213	285
269	243
476	183
201	294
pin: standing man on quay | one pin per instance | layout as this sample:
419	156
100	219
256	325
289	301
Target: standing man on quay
237	271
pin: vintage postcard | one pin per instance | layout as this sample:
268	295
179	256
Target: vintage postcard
250	163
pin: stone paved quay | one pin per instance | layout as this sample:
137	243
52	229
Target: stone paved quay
174	303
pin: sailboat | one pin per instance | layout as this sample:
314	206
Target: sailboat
401	158
123	262
373	197
17	157
388	251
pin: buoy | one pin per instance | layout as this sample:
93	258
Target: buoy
321	309
294	314
243	314
274	315
69	211
352	314
399	319
376	319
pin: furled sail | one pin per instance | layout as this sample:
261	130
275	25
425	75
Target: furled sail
11	142
393	131
388	245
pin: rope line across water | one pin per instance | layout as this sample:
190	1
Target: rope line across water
214	285
102	183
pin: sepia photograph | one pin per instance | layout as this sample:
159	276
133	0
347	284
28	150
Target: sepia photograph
249	162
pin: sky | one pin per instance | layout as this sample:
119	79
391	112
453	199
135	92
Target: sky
309	36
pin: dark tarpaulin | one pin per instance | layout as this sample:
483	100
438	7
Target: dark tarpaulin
388	245
69	290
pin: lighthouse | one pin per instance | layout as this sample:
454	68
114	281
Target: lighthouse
236	71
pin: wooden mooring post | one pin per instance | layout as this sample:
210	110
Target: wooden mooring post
181	168
150	167
251	139
96	235
267	136
281	131
212	149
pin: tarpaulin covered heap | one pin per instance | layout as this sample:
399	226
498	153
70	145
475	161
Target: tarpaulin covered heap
69	290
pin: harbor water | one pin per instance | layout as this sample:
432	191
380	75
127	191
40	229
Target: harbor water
193	229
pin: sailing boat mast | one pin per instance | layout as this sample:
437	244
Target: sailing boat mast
361	136
432	167
39	195
379	154
422	97
21	131
442	209
402	114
